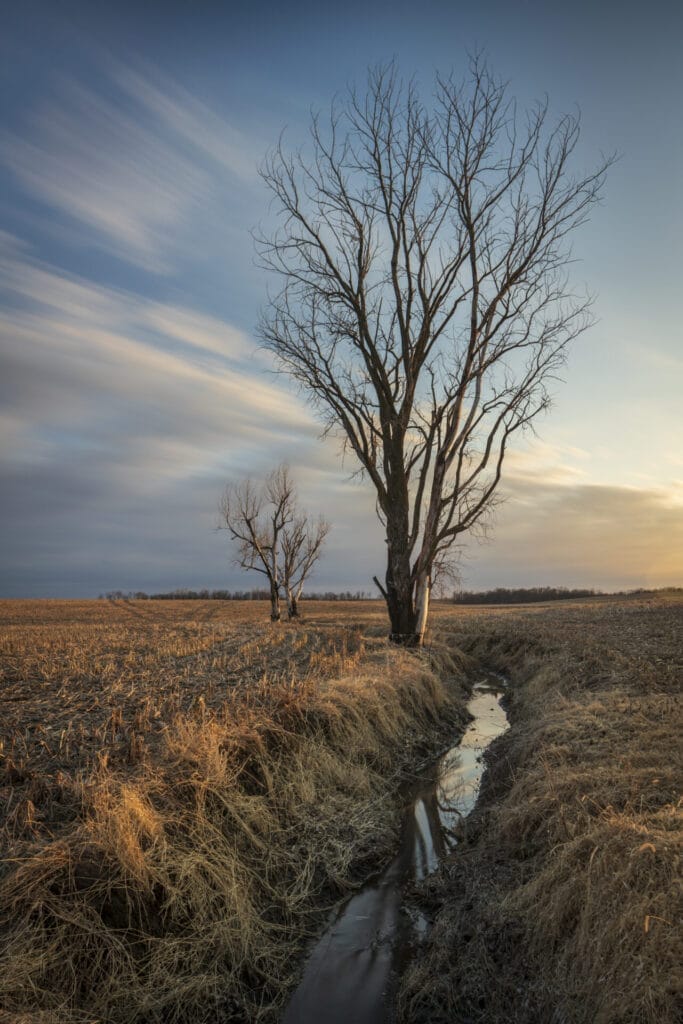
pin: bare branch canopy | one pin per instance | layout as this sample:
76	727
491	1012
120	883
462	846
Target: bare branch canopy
424	302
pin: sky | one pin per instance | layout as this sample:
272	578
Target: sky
132	387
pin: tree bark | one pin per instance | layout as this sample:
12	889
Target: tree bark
292	605
275	604
422	594
399	598
399	582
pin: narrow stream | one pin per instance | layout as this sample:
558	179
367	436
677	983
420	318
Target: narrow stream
352	970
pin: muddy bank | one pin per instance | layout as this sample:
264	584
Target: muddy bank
351	972
561	904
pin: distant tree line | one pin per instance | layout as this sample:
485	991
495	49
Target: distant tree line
501	595
522	595
257	594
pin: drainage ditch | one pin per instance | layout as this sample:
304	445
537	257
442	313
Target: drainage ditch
352	970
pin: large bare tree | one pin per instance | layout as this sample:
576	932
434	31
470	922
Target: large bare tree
424	303
273	536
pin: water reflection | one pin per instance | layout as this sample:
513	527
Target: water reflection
351	969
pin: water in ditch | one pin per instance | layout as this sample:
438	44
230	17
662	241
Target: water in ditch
352	969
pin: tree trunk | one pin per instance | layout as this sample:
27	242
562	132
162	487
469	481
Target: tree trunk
399	598
422	594
274	603
292	605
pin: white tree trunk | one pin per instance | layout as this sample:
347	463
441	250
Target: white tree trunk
421	607
292	604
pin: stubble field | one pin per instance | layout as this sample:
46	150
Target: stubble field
184	788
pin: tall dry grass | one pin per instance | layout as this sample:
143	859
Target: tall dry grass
563	905
169	866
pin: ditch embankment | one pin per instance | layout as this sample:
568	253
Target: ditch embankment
562	902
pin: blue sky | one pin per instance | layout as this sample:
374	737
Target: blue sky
131	387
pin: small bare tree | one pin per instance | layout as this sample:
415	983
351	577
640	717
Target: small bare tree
273	537
425	304
255	517
302	542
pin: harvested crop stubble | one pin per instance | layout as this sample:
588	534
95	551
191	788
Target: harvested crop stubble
178	883
562	905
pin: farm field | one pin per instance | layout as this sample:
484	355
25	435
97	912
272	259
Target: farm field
185	789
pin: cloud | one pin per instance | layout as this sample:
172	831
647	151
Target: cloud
122	419
189	119
101	167
123	416
137	163
582	534
539	460
155	386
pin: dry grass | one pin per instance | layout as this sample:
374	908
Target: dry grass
184	789
86	681
563	904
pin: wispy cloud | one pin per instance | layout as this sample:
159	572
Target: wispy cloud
189	119
119	410
552	463
133	164
122	419
159	387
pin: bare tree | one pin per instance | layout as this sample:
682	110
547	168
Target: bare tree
273	537
302	542
425	304
256	517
